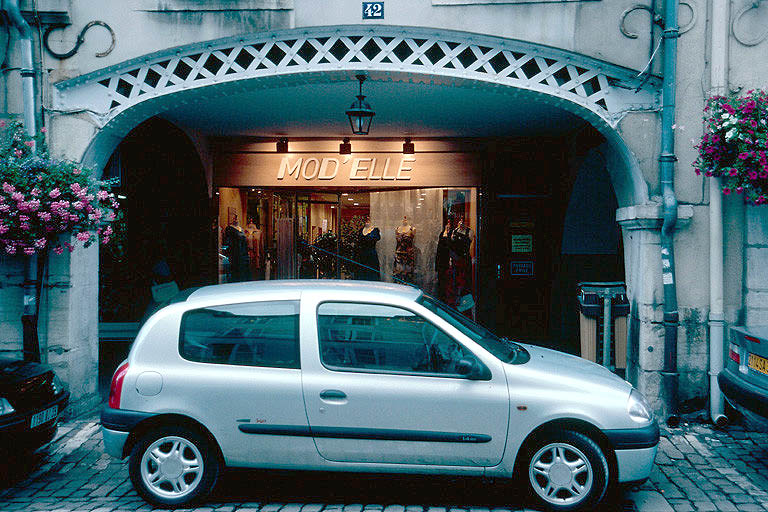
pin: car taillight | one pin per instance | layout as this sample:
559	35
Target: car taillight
116	388
733	353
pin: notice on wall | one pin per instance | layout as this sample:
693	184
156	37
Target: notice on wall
521	268
521	242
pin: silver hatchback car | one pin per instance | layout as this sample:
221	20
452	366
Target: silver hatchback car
363	377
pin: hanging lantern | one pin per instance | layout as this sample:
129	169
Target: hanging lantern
360	113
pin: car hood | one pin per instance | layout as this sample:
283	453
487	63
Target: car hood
566	366
13	372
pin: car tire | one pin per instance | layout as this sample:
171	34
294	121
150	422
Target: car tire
171	466
564	471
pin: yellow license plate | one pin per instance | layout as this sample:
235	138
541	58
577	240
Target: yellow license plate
757	363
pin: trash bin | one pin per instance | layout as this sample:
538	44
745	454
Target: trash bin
592	298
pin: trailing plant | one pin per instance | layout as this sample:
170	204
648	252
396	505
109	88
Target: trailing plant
42	198
734	144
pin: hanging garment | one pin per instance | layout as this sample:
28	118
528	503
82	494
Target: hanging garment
368	270
235	248
405	256
442	259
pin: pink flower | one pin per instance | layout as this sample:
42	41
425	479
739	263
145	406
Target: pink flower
43	130
105	240
752	175
29	143
53	194
40	243
726	190
108	230
79	205
23	218
3	229
743	156
69	246
698	172
5	208
96	215
25	226
10	249
17	196
35	192
17	153
2	124
102	195
83	236
739	190
45	216
29	251
76	172
733	172
58	249
8	188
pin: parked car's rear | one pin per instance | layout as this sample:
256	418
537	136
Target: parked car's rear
744	380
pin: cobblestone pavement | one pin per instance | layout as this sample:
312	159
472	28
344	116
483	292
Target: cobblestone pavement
698	468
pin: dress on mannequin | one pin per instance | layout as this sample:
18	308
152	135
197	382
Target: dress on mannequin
405	253
235	248
367	255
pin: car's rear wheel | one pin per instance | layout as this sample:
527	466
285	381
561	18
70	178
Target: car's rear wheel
566	471
171	466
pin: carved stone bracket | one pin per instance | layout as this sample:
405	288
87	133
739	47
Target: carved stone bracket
735	25
80	40
655	17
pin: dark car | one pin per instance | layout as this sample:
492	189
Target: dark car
744	381
31	399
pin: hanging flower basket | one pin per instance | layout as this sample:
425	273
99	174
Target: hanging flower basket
42	198
734	144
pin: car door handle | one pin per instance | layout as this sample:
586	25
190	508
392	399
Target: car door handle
333	394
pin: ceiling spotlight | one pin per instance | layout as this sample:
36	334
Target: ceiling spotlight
360	112
408	147
345	148
356	204
282	145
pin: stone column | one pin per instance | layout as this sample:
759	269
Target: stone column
641	227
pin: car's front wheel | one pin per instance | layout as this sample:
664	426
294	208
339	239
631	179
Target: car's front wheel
172	466
566	471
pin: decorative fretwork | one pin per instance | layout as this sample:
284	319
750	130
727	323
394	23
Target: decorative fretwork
605	89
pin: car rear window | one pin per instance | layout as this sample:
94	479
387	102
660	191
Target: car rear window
251	334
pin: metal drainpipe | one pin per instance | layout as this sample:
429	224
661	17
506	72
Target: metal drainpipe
667	161
29	315
719	82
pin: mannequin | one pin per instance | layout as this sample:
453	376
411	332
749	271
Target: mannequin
255	239
404	251
368	270
459	288
235	247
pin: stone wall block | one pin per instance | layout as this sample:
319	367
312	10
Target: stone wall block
757	268
651	349
756	218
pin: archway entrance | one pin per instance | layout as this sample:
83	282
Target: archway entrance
530	113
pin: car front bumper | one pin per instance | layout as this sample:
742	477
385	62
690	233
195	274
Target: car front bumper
742	394
16	433
635	450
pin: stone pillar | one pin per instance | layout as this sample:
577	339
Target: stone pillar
756	265
641	228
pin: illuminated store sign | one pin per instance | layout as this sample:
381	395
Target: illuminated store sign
328	168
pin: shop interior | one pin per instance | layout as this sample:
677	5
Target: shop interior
420	236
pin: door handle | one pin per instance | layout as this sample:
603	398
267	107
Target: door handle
333	394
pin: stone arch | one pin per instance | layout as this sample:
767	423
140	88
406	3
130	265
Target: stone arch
121	96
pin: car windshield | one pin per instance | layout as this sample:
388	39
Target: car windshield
504	349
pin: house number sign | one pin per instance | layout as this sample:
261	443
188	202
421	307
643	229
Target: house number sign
373	10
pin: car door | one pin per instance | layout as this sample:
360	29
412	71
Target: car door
243	372
381	384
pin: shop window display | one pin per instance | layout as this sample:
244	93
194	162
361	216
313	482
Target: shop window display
424	237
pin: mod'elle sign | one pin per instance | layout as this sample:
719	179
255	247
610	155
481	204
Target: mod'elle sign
358	170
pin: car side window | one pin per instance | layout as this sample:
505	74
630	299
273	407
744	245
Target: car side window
250	334
384	338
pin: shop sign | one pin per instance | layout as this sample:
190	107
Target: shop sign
356	169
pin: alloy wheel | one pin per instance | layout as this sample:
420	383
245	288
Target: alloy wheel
560	474
172	467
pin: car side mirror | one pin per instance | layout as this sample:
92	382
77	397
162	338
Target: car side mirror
472	369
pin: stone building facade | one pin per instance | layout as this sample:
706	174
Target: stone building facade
509	70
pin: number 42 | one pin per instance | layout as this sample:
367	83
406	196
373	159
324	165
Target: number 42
373	10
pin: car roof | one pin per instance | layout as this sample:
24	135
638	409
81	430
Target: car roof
349	286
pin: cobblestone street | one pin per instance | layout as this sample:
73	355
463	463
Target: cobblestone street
698	468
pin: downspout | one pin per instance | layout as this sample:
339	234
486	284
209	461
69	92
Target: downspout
667	161
29	315
719	83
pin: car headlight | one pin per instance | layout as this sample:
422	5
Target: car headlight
5	407
57	384
638	408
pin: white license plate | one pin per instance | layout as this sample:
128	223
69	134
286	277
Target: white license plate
44	416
